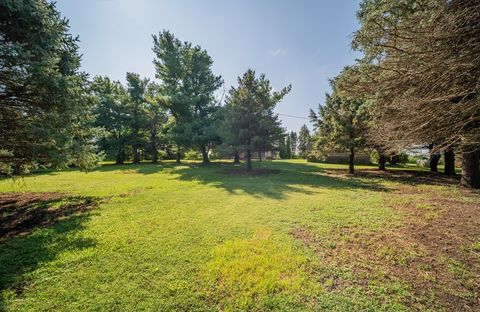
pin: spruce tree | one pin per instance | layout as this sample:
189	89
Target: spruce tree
45	117
250	123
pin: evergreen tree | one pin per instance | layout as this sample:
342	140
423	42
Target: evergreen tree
45	114
304	141
250	123
282	148
341	125
294	143
137	113
421	67
156	120
288	147
188	83
111	115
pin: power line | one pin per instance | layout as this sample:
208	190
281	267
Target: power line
293	116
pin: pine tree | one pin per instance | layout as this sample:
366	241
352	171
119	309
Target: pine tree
288	147
294	143
304	141
137	112
341	125
45	117
188	84
250	123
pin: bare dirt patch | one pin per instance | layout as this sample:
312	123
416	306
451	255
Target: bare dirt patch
21	213
431	250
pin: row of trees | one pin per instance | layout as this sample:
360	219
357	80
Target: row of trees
415	86
53	115
294	145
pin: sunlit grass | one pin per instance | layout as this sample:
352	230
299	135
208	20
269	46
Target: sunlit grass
190	237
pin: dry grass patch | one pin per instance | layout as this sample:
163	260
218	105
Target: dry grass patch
430	254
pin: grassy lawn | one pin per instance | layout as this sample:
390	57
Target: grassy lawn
191	237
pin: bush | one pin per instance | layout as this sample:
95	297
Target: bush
192	155
162	155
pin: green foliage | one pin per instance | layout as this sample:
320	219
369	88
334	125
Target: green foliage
192	155
132	118
340	125
288	147
136	105
282	148
111	115
45	115
250	123
304	141
188	84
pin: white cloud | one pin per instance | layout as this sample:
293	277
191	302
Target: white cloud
277	52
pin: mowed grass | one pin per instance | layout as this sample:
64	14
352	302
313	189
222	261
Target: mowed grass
188	237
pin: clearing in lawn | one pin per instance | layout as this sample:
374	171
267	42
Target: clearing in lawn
294	236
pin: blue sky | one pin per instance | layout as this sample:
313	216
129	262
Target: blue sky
302	42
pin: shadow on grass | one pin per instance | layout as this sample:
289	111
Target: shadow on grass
276	178
23	247
404	176
271	179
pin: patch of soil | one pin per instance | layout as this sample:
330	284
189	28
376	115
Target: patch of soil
431	250
21	213
253	172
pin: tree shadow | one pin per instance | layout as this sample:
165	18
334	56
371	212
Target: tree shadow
23	247
271	179
403	176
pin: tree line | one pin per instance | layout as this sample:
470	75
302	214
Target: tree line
53	115
416	86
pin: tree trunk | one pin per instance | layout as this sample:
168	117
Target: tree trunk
259	155
154	156
351	162
179	155
120	157
205	159
434	158
236	157
382	160
136	156
471	168
449	157
153	141
249	160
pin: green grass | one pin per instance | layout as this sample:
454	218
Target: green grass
190	237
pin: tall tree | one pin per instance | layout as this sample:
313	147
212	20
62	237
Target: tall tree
421	65
288	146
44	102
250	123
341	125
294	143
189	85
303	141
111	115
156	119
282	149
137	110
